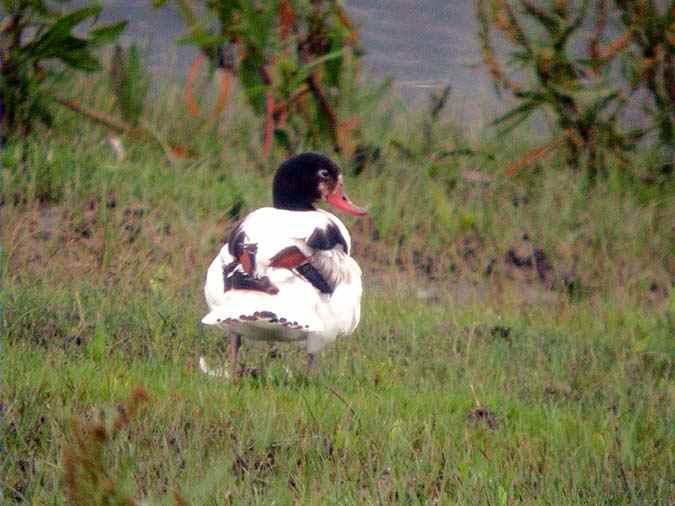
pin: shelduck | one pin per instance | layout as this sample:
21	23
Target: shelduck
286	272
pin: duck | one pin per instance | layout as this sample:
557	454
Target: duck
286	272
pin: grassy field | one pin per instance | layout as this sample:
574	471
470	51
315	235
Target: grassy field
516	345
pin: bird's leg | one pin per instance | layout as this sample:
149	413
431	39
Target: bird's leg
311	362
235	344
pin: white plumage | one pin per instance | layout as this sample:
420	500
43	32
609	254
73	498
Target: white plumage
299	311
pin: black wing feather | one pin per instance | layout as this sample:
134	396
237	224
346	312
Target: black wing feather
309	272
327	239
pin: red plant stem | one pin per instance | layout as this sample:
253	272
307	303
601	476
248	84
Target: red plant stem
223	94
265	74
282	118
189	97
325	107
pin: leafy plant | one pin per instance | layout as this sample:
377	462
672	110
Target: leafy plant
129	83
547	69
33	35
87	475
650	59
297	62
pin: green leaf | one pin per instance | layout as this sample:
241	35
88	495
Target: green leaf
514	124
135	87
251	80
96	347
107	34
596	107
66	23
520	57
81	59
526	108
305	71
259	21
561	40
54	49
551	22
283	139
226	11
52	42
334	66
538	96
586	97
202	40
66	45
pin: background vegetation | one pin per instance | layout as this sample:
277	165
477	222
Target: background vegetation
586	63
33	35
516	343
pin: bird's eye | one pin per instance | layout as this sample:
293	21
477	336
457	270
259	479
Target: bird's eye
324	174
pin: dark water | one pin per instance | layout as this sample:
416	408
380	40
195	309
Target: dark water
424	44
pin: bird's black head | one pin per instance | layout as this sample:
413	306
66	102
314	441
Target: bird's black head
307	178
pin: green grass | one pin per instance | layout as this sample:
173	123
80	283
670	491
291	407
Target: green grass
471	380
581	404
